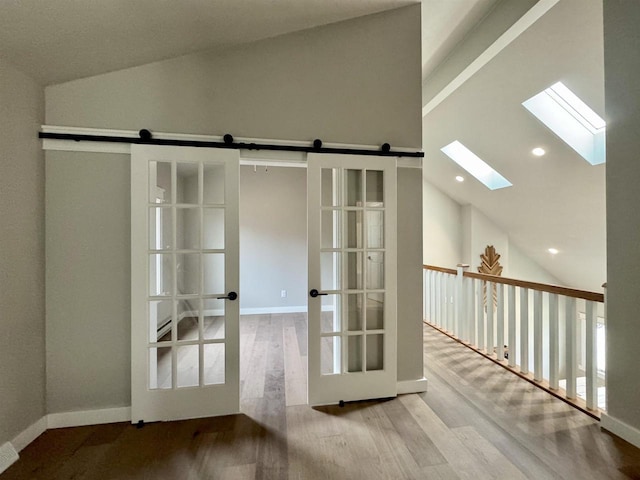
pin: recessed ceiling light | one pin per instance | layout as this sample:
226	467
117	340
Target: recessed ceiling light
538	152
552	251
459	178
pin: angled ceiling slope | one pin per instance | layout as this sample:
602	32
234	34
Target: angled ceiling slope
60	40
557	200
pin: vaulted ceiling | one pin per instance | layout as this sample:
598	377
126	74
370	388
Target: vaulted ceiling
556	200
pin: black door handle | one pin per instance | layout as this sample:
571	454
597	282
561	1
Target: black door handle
231	296
314	293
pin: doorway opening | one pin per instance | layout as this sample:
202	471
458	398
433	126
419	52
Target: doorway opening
273	286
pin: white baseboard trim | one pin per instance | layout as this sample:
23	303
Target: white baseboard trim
9	451
29	434
412	386
8	456
88	417
265	310
621	429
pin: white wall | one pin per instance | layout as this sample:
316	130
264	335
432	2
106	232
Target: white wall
356	82
22	360
622	99
523	267
442	229
456	234
273	237
480	232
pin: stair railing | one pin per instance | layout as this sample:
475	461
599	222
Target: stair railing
550	335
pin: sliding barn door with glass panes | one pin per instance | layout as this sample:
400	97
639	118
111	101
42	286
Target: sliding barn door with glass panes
184	282
352	277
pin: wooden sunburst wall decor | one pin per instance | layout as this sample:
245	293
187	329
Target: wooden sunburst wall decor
490	265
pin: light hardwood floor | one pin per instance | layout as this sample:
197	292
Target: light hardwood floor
476	422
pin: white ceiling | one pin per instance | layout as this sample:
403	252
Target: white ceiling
557	200
444	24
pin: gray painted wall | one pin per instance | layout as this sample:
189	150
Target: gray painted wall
273	237
622	100
410	363
349	82
88	281
22	360
356	82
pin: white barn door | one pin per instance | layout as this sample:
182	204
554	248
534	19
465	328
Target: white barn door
352	277
184	282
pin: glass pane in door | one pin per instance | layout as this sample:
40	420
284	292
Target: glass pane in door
214	363
187	185
160	190
213	184
188	366
330	355
187	228
160	228
375	188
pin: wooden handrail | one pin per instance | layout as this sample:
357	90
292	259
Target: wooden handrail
452	271
542	287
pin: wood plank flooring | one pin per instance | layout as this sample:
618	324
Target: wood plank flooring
476	422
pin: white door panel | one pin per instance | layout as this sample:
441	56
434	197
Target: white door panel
184	262
352	277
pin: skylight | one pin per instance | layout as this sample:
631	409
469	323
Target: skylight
566	115
475	166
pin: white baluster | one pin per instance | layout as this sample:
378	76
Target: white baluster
432	294
470	311
450	302
591	356
524	330
500	321
490	340
571	351
438	321
537	335
425	292
606	390
513	348
480	317
554	341
445	301
461	302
